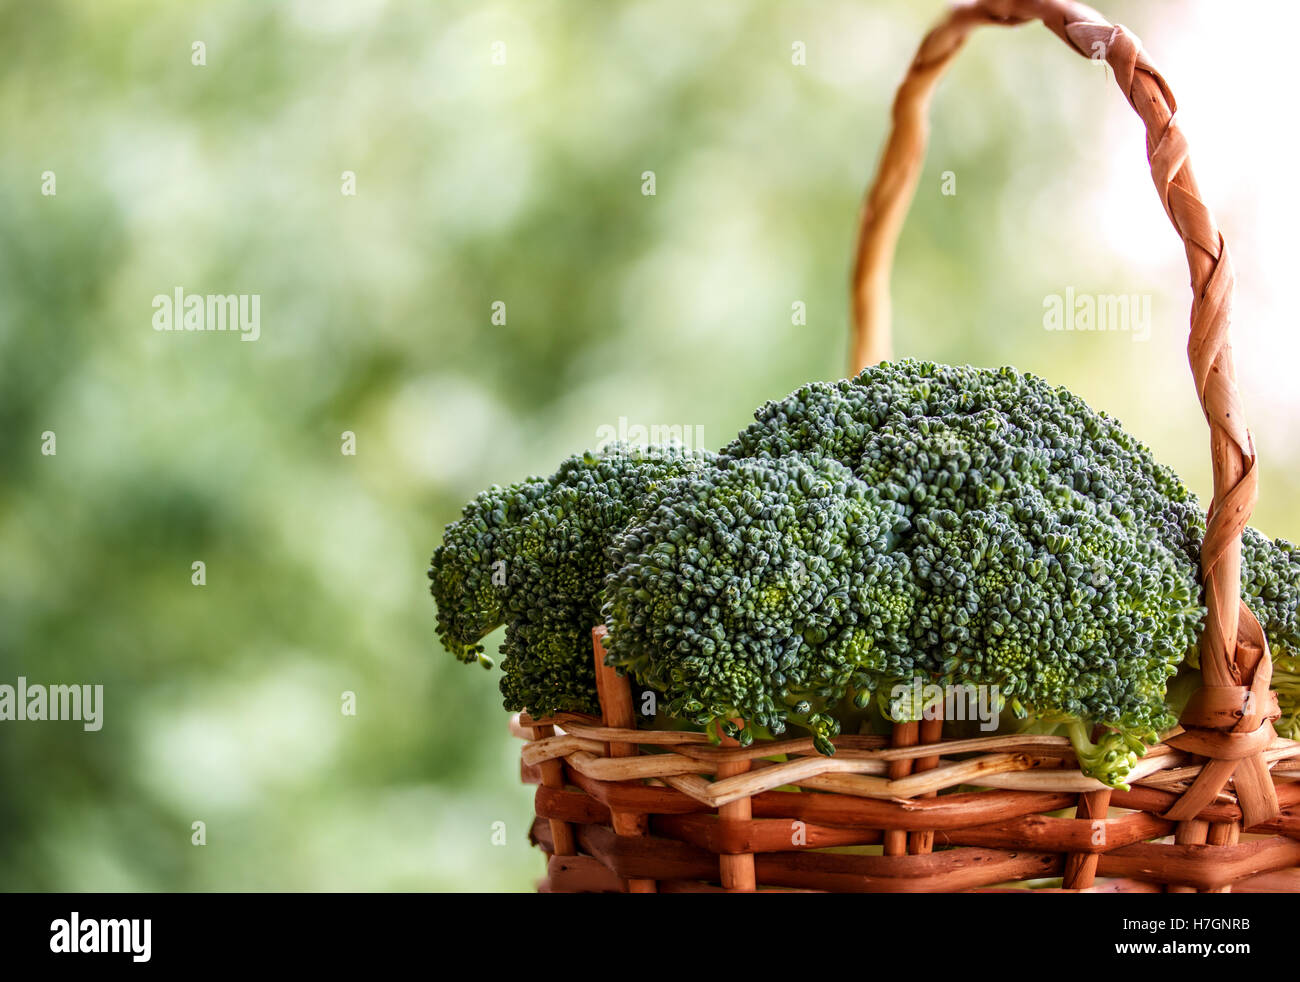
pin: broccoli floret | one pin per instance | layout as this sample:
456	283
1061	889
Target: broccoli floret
940	428
1111	757
763	591
468	571
532	557
1054	558
1069	616
1270	585
1286	683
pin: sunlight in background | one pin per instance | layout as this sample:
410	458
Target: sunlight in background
1223	62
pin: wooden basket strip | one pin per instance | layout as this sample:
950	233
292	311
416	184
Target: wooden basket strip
1282	755
868	747
1075	836
570	806
1109	885
1190	832
529	773
693	886
581	874
759	835
683	739
586	757
982	771
1081	864
648	856
1287	824
834	774
696	746
1072	780
1256	865
736	867
1279	881
957	811
903	735
853	776
1282	771
954	811
1201	867
615	694
1158	802
634	768
964	825
1266	863
552	776
1226	834
1034	833
635	796
559	746
951	869
922	842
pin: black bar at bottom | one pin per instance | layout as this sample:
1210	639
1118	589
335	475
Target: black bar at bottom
536	934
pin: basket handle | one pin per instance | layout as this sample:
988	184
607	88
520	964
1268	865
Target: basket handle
1225	663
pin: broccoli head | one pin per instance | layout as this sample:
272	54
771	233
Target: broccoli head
468	571
763	591
1270	585
1053	557
532	556
920	522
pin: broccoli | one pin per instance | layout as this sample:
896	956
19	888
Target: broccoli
1270	585
532	556
952	525
1054	558
468	571
763	591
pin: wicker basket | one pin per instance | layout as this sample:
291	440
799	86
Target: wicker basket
1214	807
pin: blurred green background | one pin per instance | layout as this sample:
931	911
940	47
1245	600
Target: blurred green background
477	182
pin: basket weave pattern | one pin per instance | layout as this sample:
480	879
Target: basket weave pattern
1215	806
684	815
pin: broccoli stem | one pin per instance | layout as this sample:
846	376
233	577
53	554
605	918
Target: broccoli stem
1110	759
1286	683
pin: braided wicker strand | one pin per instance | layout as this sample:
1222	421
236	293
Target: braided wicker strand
1230	720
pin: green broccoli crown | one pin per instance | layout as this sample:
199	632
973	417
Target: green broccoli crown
994	428
532	556
953	525
1270	585
467	572
763	591
1054	558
